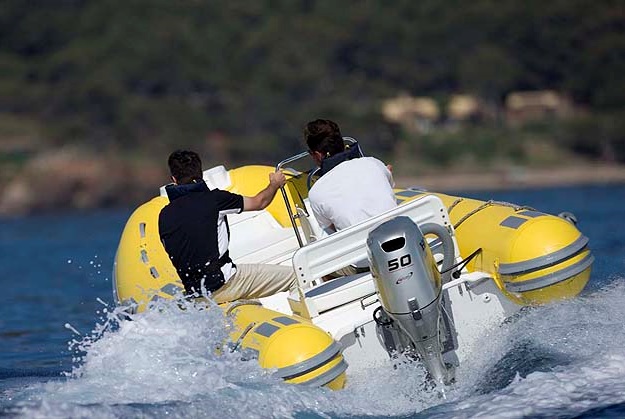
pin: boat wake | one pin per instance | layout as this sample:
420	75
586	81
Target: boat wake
560	360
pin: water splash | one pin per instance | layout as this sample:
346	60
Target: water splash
72	328
559	360
562	359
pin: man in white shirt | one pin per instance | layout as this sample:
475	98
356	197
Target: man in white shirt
351	188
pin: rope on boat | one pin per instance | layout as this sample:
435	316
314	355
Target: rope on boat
488	204
240	303
456	274
453	205
237	343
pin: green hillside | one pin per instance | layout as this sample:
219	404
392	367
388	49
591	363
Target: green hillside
239	79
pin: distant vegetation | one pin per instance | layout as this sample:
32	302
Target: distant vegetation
238	79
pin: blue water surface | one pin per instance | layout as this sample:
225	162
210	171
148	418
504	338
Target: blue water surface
55	272
52	270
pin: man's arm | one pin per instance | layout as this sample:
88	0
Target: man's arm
264	197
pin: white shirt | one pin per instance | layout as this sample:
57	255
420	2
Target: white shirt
353	191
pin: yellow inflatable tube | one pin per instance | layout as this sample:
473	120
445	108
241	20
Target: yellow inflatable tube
534	257
300	352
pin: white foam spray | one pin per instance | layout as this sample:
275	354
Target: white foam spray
566	357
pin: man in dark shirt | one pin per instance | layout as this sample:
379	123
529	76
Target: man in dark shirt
194	230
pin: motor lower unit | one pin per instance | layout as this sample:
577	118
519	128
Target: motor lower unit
409	286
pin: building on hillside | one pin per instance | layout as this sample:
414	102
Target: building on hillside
522	107
463	108
415	114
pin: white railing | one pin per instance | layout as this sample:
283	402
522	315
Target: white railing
348	246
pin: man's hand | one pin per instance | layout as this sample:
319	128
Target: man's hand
264	197
277	179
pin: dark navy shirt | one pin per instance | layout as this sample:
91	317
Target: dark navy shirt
194	230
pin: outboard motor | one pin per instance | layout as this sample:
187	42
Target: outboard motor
409	287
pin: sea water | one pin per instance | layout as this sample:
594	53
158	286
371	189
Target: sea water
67	352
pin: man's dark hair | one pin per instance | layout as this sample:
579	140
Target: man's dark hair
324	136
185	166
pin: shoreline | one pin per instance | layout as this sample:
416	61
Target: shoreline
129	186
516	178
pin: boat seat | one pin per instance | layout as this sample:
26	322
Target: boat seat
347	247
256	237
332	294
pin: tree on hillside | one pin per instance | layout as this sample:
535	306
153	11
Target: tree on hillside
157	73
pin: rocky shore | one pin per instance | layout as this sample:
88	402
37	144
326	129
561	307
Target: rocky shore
78	180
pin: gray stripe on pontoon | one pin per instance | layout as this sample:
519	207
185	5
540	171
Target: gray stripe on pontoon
285	320
329	375
142	230
266	329
544	261
144	257
408	193
512	222
553	278
170	289
316	361
531	214
154	272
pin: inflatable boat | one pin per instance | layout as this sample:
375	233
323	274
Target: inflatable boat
444	270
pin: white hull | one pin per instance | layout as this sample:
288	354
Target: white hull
346	312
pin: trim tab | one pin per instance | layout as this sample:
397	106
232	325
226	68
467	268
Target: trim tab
266	329
531	214
513	222
287	321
